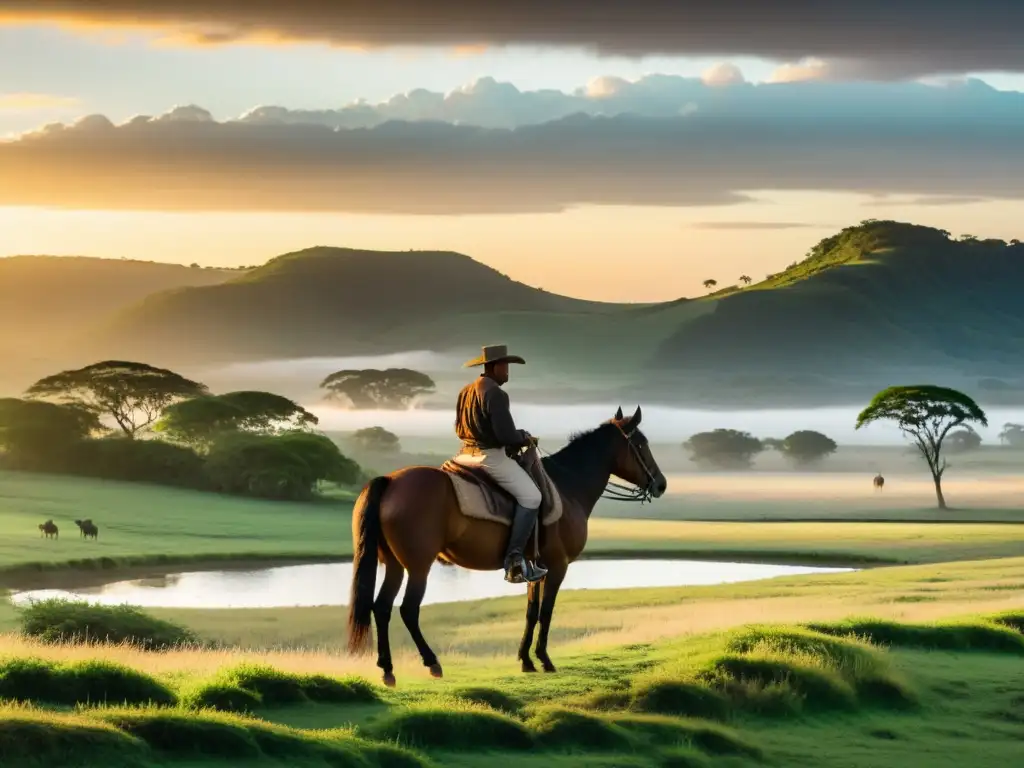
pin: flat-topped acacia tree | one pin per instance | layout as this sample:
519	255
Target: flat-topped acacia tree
926	414
133	394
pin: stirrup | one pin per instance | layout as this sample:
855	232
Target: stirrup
521	570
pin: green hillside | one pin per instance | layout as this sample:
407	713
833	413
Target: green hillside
882	295
330	301
45	301
878	300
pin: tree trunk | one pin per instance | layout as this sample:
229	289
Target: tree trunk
938	491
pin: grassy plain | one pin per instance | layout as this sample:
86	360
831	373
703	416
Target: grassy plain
647	677
682	680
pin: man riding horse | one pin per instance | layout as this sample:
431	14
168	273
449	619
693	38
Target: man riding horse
490	439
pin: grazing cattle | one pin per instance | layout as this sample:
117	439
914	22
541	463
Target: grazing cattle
49	529
879	482
87	528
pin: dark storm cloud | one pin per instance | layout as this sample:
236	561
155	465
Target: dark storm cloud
864	39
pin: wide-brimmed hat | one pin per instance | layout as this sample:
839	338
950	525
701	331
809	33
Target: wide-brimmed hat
496	353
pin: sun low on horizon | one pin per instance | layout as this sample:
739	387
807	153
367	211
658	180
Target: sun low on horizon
626	154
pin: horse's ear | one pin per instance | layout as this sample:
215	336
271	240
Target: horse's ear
635	419
618	414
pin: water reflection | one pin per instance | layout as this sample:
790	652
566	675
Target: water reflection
328	584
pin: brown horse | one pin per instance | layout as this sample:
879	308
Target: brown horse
48	529
411	517
879	482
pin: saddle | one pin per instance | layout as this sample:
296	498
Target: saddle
481	497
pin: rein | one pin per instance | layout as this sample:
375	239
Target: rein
616	491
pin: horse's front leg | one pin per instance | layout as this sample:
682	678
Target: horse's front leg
552	583
533	592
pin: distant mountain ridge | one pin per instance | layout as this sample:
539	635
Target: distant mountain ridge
878	300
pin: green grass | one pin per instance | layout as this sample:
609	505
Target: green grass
147	530
772	695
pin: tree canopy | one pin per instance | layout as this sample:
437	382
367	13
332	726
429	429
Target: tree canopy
377	439
198	420
32	429
724	448
807	446
133	394
926	414
390	389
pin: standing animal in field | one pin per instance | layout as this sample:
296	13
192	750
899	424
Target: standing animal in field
415	516
879	482
49	530
87	528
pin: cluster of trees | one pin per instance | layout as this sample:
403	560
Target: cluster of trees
131	421
734	449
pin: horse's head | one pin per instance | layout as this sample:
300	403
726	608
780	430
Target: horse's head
634	462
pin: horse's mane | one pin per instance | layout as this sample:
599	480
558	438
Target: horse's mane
571	467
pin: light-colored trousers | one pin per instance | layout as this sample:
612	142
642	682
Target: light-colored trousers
506	472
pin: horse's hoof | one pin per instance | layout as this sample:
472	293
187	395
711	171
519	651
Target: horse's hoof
549	667
389	680
528	666
435	670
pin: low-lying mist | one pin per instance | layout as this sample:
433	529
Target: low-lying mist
662	423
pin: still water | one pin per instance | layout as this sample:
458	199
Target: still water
328	584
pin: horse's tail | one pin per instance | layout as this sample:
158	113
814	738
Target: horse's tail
364	563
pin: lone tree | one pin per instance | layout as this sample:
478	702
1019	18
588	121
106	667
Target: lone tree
807	447
393	389
134	394
377	439
746	279
1012	435
709	284
926	414
963	440
724	448
199	420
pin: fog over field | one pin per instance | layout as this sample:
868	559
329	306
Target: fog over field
661	423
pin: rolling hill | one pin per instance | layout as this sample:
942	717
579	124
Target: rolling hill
45	301
876	302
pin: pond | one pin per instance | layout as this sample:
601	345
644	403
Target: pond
328	584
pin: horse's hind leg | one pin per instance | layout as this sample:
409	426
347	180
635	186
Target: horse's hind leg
382	608
410	610
532	613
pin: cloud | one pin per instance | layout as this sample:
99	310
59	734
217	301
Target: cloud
34	102
749	225
927	200
894	38
721	91
663	141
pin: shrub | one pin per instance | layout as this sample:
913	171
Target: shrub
142	461
58	620
559	727
680	697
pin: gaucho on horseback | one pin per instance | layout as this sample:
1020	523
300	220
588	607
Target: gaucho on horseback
490	441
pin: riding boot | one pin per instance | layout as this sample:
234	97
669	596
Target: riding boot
517	568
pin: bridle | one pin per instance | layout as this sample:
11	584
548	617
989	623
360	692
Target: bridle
616	491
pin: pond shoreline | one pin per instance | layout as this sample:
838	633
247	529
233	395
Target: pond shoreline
76	574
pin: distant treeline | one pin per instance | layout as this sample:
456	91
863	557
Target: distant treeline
735	449
130	421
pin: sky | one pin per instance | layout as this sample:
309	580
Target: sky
622	154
